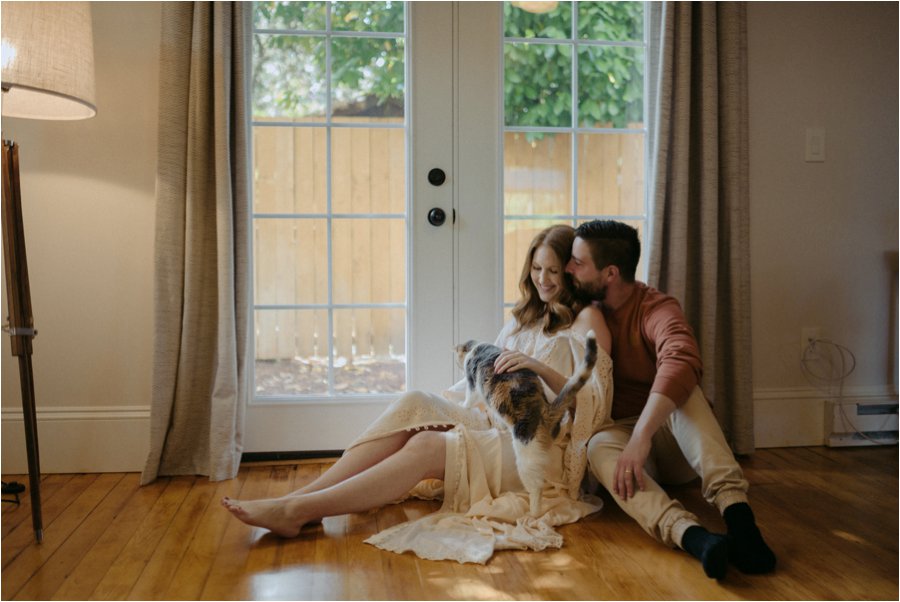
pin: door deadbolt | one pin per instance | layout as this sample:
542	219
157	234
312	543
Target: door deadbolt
436	176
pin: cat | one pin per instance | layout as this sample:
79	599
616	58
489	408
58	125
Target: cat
518	399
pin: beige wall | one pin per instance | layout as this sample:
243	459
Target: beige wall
819	230
88	204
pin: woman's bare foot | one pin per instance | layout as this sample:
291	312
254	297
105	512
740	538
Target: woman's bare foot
268	514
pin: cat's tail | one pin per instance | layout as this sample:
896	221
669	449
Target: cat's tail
566	398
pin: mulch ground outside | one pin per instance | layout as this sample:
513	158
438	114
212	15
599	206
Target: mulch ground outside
310	377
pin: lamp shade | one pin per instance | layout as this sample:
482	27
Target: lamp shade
48	60
536	7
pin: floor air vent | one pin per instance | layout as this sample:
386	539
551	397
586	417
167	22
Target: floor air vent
861	423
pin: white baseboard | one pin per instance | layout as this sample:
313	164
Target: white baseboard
79	439
793	417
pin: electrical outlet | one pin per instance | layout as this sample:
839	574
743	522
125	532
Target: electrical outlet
808	334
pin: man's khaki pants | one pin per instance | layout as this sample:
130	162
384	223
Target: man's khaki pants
690	443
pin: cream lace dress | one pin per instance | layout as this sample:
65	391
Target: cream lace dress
485	506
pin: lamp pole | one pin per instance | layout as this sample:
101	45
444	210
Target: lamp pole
21	321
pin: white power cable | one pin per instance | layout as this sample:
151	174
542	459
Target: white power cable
826	363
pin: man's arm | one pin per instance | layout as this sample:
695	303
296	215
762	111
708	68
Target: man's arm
678	364
678	371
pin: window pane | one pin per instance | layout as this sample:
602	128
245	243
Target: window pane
288	76
517	236
537	20
611	21
611	174
538	82
368	170
369	350
368	16
289	170
291	261
291	352
537	174
611	86
369	260
367	78
289	15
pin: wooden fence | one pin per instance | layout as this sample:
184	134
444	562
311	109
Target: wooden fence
368	256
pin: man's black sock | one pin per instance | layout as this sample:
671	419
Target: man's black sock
746	547
710	549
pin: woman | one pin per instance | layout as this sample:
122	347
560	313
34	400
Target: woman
430	446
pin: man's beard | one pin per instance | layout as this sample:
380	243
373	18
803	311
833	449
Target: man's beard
590	291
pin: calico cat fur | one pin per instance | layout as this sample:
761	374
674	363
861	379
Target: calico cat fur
518	399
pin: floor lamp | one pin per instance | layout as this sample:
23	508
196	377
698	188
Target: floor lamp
48	73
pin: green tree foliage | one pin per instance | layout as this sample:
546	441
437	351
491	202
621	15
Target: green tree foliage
289	58
538	80
368	73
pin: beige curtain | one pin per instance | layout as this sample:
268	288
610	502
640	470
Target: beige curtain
202	252
700	234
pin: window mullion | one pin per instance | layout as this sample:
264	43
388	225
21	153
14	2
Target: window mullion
576	119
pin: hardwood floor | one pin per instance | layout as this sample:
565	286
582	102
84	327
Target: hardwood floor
831	515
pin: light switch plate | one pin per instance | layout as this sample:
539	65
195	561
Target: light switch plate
815	145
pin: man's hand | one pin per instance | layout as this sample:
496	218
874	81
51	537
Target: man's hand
630	467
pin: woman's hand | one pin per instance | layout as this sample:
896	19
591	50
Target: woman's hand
510	361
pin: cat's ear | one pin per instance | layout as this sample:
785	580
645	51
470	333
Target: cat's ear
466	347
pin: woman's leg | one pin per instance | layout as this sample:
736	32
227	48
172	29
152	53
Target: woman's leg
366	455
356	460
422	457
361	457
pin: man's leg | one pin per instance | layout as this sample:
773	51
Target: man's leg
700	438
658	514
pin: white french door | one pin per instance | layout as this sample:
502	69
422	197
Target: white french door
451	288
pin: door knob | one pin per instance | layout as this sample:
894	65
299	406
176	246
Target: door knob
436	176
436	216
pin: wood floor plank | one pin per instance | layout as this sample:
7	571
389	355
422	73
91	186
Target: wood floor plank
364	560
836	521
405	582
45	583
14	515
121	576
851	486
265	556
831	515
169	552
93	564
22	536
293	578
227	579
31	559
810	561
192	572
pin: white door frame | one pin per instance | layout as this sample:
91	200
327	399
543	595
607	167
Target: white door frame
455	284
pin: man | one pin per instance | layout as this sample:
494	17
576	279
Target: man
664	429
